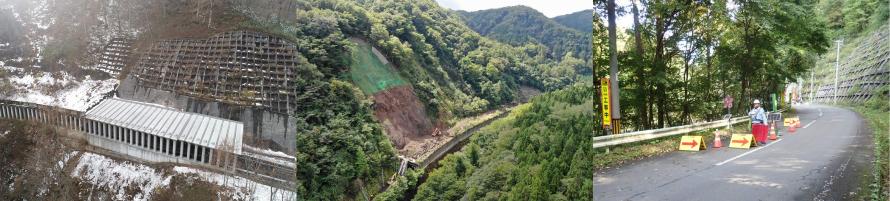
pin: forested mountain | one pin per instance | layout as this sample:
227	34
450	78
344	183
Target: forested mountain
519	25
578	20
539	152
453	70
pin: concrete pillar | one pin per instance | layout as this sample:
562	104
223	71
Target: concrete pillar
203	155
188	153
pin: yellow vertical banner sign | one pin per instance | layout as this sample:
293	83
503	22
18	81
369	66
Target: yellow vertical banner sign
607	107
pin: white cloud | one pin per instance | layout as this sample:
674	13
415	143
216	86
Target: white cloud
550	8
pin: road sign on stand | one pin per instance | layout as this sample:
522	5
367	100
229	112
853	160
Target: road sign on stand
692	143
742	141
607	107
727	102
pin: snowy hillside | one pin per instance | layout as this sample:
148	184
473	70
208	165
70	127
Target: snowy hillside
123	178
55	89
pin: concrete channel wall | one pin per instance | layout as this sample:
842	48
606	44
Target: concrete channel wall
144	147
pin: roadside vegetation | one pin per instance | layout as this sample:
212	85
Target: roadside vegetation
877	112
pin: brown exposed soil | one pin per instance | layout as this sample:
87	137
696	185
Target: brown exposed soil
403	115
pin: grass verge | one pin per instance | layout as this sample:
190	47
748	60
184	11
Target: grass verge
877	114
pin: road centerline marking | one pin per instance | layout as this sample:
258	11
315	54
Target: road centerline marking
746	153
811	123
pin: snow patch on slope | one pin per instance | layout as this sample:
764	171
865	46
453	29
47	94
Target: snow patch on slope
256	191
109	174
121	176
57	89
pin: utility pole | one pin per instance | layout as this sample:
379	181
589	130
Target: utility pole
837	63
812	82
615	95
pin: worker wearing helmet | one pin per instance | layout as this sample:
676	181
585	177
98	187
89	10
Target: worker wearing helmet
758	122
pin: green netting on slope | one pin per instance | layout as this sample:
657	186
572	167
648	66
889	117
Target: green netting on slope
371	73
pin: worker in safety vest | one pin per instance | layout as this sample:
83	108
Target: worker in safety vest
758	122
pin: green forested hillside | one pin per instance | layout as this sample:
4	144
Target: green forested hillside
540	151
578	20
521	25
342	152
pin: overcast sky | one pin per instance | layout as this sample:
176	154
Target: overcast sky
550	8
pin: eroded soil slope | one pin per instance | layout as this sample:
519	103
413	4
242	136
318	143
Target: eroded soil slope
402	115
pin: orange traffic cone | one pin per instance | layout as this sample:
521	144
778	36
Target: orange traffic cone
797	124
792	129
772	133
717	142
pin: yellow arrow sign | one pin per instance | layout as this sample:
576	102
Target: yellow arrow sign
692	143
742	141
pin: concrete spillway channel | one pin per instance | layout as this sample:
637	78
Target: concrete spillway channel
154	134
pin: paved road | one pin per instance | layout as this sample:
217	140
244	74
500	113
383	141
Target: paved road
821	161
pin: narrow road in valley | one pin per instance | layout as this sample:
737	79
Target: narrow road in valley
822	160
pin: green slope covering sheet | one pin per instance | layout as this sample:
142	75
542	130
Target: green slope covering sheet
371	73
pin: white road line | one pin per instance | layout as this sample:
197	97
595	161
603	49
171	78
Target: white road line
811	123
746	153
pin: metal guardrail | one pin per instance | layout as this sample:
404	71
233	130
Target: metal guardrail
637	136
624	138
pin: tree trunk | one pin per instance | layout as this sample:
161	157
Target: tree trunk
640	71
746	68
658	69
